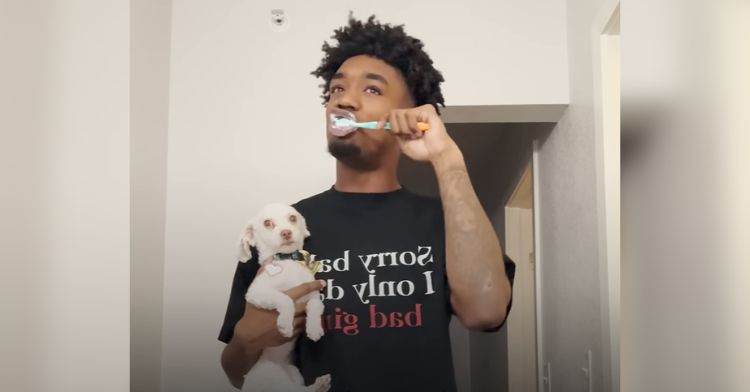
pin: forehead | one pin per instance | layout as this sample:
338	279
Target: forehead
358	67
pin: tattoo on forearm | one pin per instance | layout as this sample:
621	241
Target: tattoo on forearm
458	200
469	238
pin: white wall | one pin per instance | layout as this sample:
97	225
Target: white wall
240	94
609	186
64	207
573	317
149	109
685	144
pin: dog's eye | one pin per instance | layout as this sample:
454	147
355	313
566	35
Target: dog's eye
268	224
293	218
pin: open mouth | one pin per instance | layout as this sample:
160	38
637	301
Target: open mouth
337	123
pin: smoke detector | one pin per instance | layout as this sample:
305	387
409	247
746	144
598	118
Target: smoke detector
279	20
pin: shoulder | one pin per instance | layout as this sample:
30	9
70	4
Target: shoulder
312	202
423	203
425	209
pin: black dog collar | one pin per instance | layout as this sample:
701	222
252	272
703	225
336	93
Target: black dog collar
297	255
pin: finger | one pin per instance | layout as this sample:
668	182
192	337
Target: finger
297	331
382	121
300	308
412	120
299	322
395	126
426	112
403	123
300	291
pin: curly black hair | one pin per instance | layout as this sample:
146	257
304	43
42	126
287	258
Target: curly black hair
390	44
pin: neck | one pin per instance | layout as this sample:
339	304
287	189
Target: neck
381	180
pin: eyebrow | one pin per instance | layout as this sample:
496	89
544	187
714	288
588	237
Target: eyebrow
371	76
377	77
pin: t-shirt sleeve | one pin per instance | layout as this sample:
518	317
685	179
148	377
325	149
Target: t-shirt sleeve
510	272
243	276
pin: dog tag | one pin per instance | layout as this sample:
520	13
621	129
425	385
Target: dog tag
314	266
273	269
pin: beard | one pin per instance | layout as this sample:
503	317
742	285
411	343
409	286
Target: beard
351	155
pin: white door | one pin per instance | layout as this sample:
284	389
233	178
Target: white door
519	245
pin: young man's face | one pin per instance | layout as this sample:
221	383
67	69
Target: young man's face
369	88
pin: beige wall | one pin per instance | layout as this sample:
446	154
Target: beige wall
64	207
150	24
684	196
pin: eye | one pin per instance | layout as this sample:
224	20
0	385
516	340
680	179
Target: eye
293	218
336	89
268	224
373	90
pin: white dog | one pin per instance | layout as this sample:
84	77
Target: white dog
278	233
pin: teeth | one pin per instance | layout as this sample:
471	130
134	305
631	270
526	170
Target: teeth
339	124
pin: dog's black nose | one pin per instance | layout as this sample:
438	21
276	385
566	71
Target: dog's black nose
286	234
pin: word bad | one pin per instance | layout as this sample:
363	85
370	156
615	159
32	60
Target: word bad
396	319
347	322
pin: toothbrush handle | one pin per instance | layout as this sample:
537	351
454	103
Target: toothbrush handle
421	125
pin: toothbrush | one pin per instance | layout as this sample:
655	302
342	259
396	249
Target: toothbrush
349	123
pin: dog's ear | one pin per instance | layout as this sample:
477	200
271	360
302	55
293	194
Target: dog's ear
305	232
247	240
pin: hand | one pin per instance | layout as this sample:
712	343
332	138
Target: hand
257	328
430	145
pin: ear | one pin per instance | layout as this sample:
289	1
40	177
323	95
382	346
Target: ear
247	240
305	232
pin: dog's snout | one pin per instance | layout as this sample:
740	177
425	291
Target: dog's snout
286	234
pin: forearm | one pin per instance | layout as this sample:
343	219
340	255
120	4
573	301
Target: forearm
237	360
480	290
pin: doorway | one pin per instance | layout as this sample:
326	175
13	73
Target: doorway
521	324
497	155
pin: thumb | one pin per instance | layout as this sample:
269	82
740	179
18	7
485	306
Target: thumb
382	121
300	291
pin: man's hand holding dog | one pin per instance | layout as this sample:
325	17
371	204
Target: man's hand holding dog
257	329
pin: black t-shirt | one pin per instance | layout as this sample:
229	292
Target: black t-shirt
387	301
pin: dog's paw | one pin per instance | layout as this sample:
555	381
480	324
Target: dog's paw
286	328
314	330
322	383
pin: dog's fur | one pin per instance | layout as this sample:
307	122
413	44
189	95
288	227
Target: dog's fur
280	228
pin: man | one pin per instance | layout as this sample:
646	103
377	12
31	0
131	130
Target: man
396	266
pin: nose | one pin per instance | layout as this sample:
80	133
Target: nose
346	105
286	234
347	100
